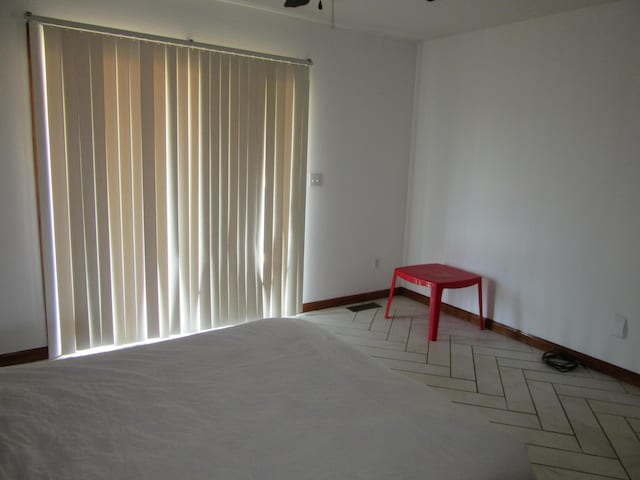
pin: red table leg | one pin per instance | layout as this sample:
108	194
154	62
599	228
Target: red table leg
393	285
437	277
434	311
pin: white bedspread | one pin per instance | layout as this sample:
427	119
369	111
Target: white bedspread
272	399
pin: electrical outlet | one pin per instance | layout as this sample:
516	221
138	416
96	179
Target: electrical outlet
315	179
619	326
376	264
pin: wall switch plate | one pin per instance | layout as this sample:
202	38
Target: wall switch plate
315	179
619	326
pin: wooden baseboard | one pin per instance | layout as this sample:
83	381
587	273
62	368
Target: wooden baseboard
341	301
42	353
614	371
25	356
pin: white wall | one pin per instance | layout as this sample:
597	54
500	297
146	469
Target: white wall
359	138
21	302
527	171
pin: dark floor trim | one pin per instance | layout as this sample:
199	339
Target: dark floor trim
25	356
342	301
42	353
614	371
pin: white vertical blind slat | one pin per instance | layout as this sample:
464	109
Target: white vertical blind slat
204	139
99	125
173	223
214	182
112	155
299	133
138	326
285	195
150	243
278	183
138	189
268	175
125	152
71	76
159	65
223	192
88	204
242	159
193	127
43	179
59	191
234	190
184	280
255	158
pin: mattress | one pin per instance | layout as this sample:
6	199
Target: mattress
270	399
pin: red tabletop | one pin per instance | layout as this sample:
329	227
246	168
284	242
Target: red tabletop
445	276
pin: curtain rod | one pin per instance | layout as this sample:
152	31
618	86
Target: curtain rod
29	17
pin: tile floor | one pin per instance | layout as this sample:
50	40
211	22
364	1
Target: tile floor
580	425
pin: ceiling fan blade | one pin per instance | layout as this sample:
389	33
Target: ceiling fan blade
295	3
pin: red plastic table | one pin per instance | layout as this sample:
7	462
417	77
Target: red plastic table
437	277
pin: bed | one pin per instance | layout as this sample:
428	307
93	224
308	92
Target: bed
270	399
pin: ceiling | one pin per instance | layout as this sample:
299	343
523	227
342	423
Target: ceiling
419	19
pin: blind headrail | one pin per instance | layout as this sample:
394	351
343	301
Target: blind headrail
29	17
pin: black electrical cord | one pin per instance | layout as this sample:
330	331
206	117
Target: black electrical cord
560	360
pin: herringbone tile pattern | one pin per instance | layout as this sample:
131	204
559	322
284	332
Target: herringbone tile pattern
579	425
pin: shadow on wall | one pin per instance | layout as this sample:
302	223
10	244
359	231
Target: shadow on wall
510	311
489	287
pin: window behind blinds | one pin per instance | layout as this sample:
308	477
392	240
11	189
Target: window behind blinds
171	185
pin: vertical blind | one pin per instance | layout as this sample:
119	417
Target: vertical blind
171	186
